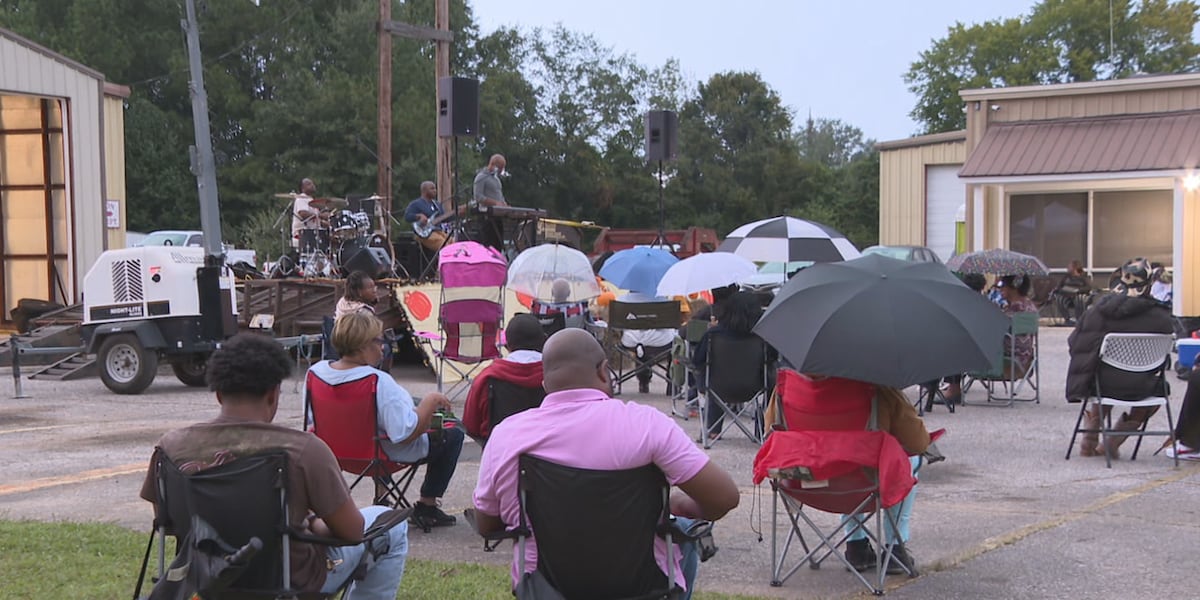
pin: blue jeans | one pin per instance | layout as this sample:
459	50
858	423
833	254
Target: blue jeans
383	573
902	513
689	558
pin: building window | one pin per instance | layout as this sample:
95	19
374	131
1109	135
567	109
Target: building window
1132	224
1052	227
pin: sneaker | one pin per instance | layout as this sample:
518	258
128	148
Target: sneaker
901	559
1184	452
431	516
860	555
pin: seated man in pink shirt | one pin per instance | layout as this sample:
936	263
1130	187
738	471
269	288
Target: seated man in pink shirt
578	425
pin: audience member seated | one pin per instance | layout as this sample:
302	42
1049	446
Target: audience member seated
1162	288
404	424
1187	428
953	393
1015	291
654	343
361	294
735	318
1070	297
246	373
575	313
522	367
1129	309
579	425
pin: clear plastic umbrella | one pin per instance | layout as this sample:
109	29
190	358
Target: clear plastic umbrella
535	271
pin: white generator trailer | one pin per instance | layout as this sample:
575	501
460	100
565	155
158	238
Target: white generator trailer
146	304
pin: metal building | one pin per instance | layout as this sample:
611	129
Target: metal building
62	172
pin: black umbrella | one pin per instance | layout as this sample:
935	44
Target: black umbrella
883	321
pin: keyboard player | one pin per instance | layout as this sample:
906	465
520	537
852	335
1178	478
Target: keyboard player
489	192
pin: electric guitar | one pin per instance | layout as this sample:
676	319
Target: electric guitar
426	230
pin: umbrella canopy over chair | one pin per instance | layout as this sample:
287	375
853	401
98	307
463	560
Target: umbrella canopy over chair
997	261
788	239
534	271
638	269
883	321
705	271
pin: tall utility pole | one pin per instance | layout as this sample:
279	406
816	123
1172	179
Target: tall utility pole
440	34
203	165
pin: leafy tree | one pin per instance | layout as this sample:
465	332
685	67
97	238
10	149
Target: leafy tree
832	142
1060	41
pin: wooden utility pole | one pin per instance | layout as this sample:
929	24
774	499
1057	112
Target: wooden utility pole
440	34
445	181
383	145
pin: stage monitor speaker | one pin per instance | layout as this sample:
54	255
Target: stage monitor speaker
458	107
661	130
372	261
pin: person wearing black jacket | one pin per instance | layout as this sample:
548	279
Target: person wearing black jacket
1129	309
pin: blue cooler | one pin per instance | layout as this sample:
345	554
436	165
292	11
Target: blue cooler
1188	349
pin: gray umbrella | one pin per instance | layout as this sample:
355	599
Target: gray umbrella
883	321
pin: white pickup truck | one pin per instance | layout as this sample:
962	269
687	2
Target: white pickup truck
195	239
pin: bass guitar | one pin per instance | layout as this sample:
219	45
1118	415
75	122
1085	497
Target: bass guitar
431	225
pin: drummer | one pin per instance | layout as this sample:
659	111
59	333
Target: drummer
303	215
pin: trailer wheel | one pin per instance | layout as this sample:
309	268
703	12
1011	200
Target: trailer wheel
190	369
125	366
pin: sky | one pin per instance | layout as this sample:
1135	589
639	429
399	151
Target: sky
840	59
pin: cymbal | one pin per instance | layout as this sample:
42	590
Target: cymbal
289	195
375	197
328	203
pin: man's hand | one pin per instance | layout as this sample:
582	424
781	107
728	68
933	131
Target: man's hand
422	219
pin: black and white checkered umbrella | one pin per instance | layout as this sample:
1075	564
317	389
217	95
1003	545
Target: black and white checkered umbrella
787	239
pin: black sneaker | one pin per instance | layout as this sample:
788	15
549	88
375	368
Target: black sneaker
901	559
431	516
860	554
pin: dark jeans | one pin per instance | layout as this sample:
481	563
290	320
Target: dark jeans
1187	428
441	462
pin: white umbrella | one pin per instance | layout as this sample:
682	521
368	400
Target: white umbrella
534	271
788	239
704	271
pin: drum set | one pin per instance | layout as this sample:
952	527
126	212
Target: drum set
324	250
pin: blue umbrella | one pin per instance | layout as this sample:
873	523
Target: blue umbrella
638	269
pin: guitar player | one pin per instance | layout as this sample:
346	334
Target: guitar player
430	220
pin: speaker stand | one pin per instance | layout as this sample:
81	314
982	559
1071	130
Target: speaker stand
661	240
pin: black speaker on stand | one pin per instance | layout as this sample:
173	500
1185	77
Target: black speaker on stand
661	145
373	261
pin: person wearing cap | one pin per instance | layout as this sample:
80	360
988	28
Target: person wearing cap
522	367
1128	309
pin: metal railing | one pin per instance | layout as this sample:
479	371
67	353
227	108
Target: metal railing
19	348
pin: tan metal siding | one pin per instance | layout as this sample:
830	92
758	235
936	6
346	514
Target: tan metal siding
1092	105
114	164
902	189
24	71
1189	297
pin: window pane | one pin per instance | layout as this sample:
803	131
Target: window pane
1052	227
1133	224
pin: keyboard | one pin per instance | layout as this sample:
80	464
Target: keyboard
513	212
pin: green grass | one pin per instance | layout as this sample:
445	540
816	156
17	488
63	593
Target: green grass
87	561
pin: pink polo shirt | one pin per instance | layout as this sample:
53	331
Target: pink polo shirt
588	430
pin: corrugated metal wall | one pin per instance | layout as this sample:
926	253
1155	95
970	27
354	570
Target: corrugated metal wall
114	164
1188	297
26	71
902	188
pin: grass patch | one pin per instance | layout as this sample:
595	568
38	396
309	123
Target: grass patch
87	561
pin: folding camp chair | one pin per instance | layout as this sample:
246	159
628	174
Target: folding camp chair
345	417
471	313
552	323
610	551
683	377
233	517
1010	380
639	313
506	398
737	384
830	458
1146	353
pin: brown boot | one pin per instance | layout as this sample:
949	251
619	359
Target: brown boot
1089	443
1113	441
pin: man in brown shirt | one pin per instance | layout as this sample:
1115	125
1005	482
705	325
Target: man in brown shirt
246	373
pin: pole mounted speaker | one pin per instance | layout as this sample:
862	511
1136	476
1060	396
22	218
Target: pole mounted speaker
661	129
458	107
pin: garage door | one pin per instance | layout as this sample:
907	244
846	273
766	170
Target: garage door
944	194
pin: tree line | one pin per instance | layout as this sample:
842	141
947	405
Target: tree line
292	93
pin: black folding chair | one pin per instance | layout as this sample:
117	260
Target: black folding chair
737	385
641	316
506	398
245	503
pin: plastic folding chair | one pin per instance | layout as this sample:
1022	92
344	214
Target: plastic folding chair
1147	353
345	417
1010	380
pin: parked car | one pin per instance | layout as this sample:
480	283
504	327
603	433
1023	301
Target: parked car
195	239
909	253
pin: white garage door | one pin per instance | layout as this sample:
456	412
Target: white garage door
944	194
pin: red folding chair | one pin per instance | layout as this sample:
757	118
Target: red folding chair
345	417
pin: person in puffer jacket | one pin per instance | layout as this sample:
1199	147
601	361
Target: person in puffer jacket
1128	309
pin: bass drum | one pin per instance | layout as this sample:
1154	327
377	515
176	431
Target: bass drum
344	225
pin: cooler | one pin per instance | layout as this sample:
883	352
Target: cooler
1188	349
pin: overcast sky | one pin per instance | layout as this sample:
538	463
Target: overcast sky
840	59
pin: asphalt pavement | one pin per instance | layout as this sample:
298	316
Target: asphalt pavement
1004	516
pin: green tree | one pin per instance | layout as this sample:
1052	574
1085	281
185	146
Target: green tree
832	142
1060	41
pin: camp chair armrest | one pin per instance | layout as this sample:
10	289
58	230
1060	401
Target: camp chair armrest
495	536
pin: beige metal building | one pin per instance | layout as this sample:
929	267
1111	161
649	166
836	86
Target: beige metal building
62	172
1098	172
